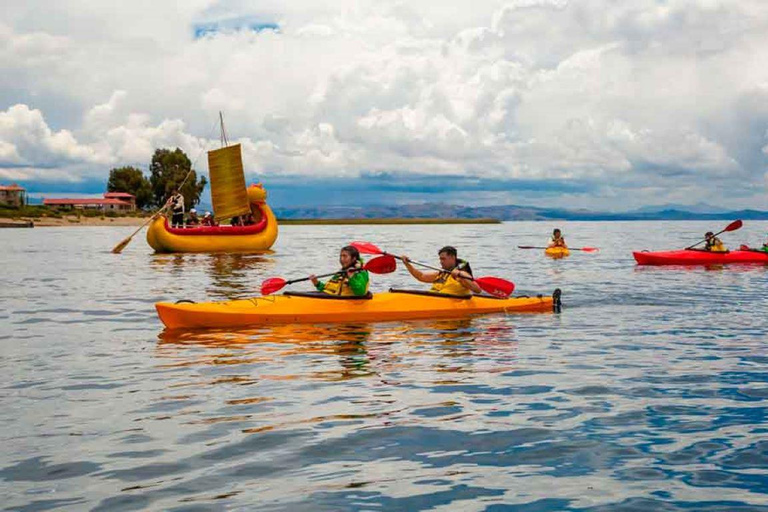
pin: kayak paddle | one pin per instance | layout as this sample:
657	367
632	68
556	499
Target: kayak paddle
733	226
119	247
495	286
585	249
381	265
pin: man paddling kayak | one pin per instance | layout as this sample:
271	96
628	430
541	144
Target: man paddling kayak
714	244
350	280
454	279
557	240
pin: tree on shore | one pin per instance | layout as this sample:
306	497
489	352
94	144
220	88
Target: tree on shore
131	180
168	170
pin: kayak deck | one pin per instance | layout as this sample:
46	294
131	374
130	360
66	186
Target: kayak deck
309	308
557	252
699	257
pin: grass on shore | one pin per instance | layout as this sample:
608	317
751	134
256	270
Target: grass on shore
41	211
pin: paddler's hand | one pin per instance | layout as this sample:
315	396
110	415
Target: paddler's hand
405	259
458	274
313	278
351	272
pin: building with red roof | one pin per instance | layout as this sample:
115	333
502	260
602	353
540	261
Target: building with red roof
112	201
13	195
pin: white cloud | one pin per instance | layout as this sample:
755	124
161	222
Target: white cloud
26	139
631	94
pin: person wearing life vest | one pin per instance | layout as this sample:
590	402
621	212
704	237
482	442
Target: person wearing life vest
350	280
713	244
454	279
557	240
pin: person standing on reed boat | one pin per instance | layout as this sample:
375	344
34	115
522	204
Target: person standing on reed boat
176	202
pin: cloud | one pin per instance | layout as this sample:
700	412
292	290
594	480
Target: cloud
648	99
26	140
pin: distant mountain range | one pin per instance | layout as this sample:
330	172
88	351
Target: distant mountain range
513	212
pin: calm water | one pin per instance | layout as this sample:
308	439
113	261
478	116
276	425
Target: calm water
648	392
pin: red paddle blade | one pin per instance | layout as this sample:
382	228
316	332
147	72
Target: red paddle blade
733	226
272	285
590	249
743	247
496	286
381	265
366	247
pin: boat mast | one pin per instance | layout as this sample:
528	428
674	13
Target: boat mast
224	141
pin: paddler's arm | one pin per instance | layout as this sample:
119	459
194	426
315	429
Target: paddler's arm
319	285
466	280
424	277
358	283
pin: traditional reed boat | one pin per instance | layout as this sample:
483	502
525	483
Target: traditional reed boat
230	199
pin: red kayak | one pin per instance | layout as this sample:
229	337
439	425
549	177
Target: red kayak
699	257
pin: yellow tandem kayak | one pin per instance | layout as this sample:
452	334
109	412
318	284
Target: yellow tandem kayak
315	307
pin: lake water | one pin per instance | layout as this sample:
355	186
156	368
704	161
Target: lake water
648	392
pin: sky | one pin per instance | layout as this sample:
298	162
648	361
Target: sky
600	104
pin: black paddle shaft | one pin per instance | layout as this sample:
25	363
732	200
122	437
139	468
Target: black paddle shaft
321	275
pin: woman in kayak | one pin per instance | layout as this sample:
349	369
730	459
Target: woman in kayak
557	240
714	244
452	280
350	280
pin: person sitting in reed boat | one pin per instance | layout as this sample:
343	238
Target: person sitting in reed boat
350	280
193	220
454	279
208	220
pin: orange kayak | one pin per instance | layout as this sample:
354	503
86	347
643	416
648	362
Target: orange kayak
315	307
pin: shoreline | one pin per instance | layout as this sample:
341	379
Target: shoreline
387	221
52	222
73	220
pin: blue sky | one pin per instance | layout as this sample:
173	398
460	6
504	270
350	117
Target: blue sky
591	104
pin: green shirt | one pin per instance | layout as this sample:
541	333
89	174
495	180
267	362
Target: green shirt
358	283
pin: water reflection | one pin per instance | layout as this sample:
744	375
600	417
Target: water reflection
230	273
173	264
229	276
453	347
273	343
